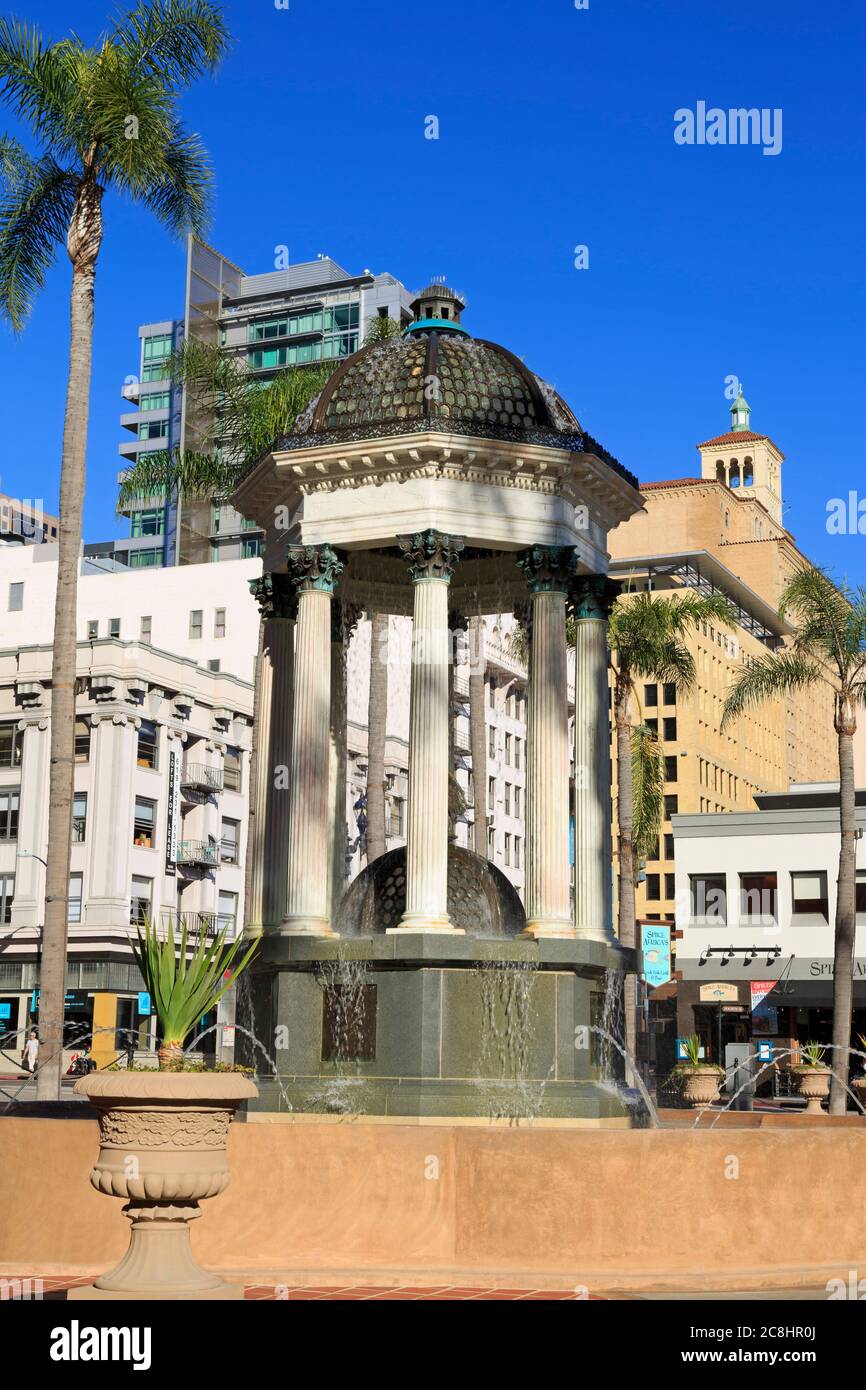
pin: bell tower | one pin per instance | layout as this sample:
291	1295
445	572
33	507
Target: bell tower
748	463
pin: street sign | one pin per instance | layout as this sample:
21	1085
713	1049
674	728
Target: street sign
655	943
682	1055
765	1050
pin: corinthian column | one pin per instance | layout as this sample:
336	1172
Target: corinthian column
593	901
314	571
549	570
344	620
267	850
431	557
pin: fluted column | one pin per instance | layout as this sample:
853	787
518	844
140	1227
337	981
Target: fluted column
314	570
431	557
593	899
267	857
344	619
548	570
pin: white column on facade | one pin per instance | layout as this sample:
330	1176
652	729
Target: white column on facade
109	820
593	896
344	618
548	570
28	905
431	557
314	570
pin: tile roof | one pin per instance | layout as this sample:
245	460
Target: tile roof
735	437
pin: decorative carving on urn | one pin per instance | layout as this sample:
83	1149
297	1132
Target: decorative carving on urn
549	569
314	567
155	1129
276	596
431	554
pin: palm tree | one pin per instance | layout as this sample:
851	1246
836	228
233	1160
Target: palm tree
105	117
829	648
647	634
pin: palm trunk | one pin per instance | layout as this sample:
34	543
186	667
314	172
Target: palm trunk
377	727
83	242
478	734
169	1054
625	815
846	919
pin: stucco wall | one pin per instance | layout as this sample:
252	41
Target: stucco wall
605	1209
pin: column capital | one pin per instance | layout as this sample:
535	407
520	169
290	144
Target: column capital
593	596
549	569
314	567
276	596
431	554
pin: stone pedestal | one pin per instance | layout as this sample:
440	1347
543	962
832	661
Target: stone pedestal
431	557
314	571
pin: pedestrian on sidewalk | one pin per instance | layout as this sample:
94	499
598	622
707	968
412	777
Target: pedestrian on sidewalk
31	1052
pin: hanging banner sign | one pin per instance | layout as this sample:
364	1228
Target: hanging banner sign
760	989
655	944
173	817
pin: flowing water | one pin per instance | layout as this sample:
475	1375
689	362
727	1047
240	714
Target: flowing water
507	1031
344	985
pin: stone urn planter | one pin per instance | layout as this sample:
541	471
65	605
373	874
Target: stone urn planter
858	1086
814	1084
700	1086
162	1146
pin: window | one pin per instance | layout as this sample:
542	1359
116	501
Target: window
145	559
491	693
517	746
93	630
491	791
230	841
232	770
669	693
148	745
219	622
150	522
670	886
10	745
396	819
671	806
145	630
157	346
653	726
251	546
517	850
507	848
491	741
144	823
155	400
82	740
508	749
76	882
153	429
671	769
491	843
79	818
809	895
213	664
154	371
140	897
653	888
651	695
758	897
7	896
861	896
669	846
196	620
228	912
8	815
114	627
16	598
669	730
508	799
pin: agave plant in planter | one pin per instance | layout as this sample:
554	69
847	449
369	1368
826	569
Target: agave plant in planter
163	1134
813	1077
699	1080
858	1083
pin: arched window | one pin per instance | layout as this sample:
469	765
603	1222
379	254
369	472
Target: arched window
734	474
748	473
720	471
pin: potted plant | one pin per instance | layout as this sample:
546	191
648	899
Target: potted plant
162	1134
699	1080
813	1077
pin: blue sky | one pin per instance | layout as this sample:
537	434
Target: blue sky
556	128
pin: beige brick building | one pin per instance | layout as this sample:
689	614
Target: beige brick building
722	532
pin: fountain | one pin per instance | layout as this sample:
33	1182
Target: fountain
435	477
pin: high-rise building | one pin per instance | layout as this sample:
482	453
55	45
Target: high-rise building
24	521
308	313
722	533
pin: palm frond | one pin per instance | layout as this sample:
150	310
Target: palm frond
36	201
180	196
179	39
648	785
170	471
766	677
826	617
38	83
381	328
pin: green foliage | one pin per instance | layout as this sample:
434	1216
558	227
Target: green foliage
185	986
812	1054
106	117
693	1060
381	329
647	632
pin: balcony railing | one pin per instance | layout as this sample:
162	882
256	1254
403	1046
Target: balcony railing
200	777
207	924
202	852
